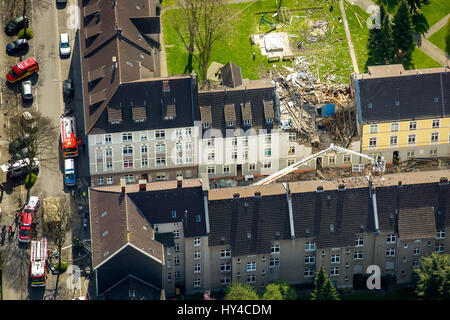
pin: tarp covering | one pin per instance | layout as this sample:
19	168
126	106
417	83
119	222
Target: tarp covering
50	210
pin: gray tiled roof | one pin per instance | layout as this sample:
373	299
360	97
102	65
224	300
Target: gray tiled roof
231	75
417	223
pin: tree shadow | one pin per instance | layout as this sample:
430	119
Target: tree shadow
188	68
389	4
420	23
447	39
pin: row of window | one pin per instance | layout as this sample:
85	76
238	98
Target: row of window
436	123
393	140
159	134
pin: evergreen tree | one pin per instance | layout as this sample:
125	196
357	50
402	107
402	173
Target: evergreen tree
388	40
323	287
403	35
434	277
375	45
239	291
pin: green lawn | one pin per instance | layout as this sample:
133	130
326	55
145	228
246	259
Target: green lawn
329	55
438	39
422	60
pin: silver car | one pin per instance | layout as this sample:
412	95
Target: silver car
27	90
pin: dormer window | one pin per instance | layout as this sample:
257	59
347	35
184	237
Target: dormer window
205	125
115	122
230	124
247	122
269	120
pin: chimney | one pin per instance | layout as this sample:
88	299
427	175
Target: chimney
114	61
319	189
341	187
400	184
123	183
185	215
236	195
443	180
179	182
258	194
143	185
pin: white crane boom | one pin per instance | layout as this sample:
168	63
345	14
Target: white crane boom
292	167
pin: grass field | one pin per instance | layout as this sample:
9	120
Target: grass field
422	60
330	55
438	39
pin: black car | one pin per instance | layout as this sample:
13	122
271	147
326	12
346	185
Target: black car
20	45
15	25
68	88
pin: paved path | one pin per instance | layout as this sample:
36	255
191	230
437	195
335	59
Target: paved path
349	38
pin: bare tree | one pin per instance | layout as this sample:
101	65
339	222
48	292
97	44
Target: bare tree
199	24
37	133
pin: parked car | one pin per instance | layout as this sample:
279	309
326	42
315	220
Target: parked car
27	90
69	172
19	168
64	45
68	88
20	45
61	1
15	25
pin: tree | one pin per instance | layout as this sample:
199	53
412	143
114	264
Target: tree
200	24
416	5
403	34
36	132
279	291
375	43
323	287
239	291
434	277
388	40
447	38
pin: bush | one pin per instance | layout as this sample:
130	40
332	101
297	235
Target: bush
28	35
29	182
63	268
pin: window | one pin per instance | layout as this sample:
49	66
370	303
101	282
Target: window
179	160
267	165
274	262
177	275
310	246
108	152
393	141
440	248
169	252
372	142
397	102
252	167
226	169
245	141
413	125
230	123
161	176
435	123
405	246
263	258
251	278
160	161
251	266
176	260
405	259
347	158
245	155
434	137
188	132
440	234
144	148
197	283
433	152
225	280
188	159
177	245
188	145
394	127
127	137
335	258
211	156
269	120
308	273
196	242
109	165
415	263
412	139
197	268
268	139
109	180
144	136
179	134
359	242
127	151
416	251
358	255
176	234
267	152
275	249
334	271
100	181
234	155
410	154
160	134
108	138
196	254
211	142
247	122
205	125
331	159
309	259
128	163
160	148
234	142
169	276
224	254
169	261
391	238
225	267
292	136
290	162
429	244
212	169
373	128
144	163
390	252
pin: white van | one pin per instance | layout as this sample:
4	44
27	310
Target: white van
26	89
69	172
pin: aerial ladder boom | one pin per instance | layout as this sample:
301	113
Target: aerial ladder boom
294	166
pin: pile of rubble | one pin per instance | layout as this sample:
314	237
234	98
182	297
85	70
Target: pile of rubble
302	94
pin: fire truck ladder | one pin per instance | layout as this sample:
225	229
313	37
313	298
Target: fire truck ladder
377	166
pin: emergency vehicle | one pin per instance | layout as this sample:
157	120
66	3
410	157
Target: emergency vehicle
38	262
31	206
69	139
25	227
22	70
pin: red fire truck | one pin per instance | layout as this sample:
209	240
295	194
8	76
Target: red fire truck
22	70
69	139
25	227
38	262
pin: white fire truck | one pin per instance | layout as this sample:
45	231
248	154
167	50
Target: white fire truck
38	262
